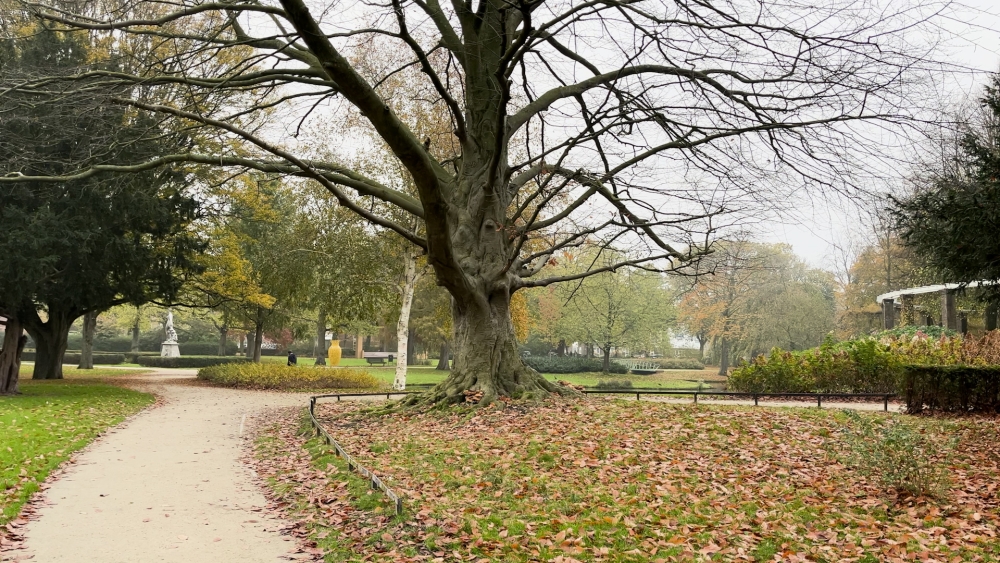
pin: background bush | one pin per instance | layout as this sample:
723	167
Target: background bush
943	373
276	376
679	363
570	364
133	357
895	454
960	389
73	357
855	366
910	331
205	348
188	361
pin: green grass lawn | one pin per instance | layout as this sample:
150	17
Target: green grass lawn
616	481
71	372
40	428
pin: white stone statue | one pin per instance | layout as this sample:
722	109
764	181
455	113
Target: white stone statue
171	333
169	348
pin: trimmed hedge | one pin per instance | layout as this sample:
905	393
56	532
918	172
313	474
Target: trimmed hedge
570	364
74	358
133	357
205	348
955	388
188	361
679	363
277	376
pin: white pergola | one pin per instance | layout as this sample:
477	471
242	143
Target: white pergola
949	313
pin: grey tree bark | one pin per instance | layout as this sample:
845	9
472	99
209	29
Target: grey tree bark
50	338
724	356
87	347
223	338
258	336
134	331
319	345
10	356
444	361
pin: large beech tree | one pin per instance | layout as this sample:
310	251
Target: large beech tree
628	123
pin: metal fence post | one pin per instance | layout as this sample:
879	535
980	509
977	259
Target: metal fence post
885	403
696	398
819	401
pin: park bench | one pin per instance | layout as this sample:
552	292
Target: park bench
379	358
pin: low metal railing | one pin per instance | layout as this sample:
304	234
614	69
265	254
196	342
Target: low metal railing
755	396
352	464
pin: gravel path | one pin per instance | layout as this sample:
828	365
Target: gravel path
166	486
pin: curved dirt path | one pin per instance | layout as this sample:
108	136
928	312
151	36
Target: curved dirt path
167	486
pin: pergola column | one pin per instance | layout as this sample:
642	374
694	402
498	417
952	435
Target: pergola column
907	315
888	313
949	314
991	317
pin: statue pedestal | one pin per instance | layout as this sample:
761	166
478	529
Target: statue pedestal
170	350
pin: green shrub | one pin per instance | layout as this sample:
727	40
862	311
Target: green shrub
133	357
952	388
205	348
679	363
614	384
895	453
855	366
276	376
187	361
910	331
570	364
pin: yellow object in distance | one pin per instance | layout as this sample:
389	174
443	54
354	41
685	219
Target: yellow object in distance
333	354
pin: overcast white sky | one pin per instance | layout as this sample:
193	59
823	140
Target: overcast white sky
974	42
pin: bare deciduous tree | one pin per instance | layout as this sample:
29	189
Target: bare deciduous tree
574	122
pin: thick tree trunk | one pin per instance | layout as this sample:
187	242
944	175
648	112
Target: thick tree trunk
50	343
444	363
403	326
724	357
561	348
701	348
486	356
223	338
359	347
87	347
10	357
135	335
258	340
606	365
319	347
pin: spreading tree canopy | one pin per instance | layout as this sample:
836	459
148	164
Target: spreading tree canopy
954	221
611	123
73	246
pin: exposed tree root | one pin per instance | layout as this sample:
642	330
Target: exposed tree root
525	383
